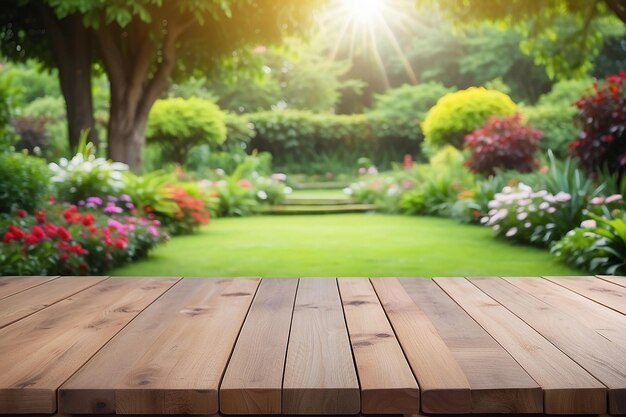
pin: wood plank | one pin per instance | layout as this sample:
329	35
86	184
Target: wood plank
14	285
609	323
320	377
498	383
387	383
614	279
600	291
169	360
37	298
40	352
603	359
568	388
253	380
443	385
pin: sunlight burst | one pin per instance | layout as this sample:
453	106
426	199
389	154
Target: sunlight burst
363	10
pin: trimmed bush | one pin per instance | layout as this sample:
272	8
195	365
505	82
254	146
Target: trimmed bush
23	182
503	143
178	124
301	137
457	114
557	124
602	117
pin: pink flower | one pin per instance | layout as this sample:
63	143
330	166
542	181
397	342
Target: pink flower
153	231
613	198
511	232
597	200
589	224
244	183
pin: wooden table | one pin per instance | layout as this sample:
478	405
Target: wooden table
316	346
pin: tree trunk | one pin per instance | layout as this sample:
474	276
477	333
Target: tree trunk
126	136
71	46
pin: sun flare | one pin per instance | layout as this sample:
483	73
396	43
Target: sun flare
363	10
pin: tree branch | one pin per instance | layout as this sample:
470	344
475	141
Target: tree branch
618	7
113	60
158	82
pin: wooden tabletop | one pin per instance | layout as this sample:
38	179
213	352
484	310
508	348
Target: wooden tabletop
313	346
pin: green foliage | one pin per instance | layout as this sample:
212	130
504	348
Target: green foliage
178	125
24	182
599	248
557	124
457	114
5	118
566	92
150	191
300	137
51	110
563	35
28	82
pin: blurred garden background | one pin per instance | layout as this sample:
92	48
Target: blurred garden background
312	137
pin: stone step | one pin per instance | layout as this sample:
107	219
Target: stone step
313	209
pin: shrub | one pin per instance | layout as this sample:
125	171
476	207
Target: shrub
566	92
85	176
71	241
303	138
503	143
598	246
178	124
457	114
24	182
602	117
557	124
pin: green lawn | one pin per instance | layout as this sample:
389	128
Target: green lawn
343	245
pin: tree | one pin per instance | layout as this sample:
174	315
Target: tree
562	34
141	44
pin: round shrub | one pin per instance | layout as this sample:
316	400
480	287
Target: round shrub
457	114
23	182
503	143
602	117
179	124
557	124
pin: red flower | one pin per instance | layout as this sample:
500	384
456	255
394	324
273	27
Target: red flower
17	233
40	215
30	239
8	237
84	266
51	230
21	213
69	214
52	199
63	233
63	257
88	220
120	243
93	229
38	232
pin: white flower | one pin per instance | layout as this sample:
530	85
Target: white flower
484	220
551	210
496	228
372	170
262	195
220	172
525	202
589	224
522	216
511	232
527	225
493	204
544	206
287	190
279	176
347	191
507	190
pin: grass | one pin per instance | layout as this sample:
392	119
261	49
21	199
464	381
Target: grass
343	245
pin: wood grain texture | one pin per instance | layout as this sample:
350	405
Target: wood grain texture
443	385
602	358
596	289
614	279
170	360
568	388
37	298
40	352
253	380
609	323
14	285
320	377
387	383
498	383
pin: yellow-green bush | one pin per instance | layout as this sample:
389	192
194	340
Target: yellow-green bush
179	124
457	114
